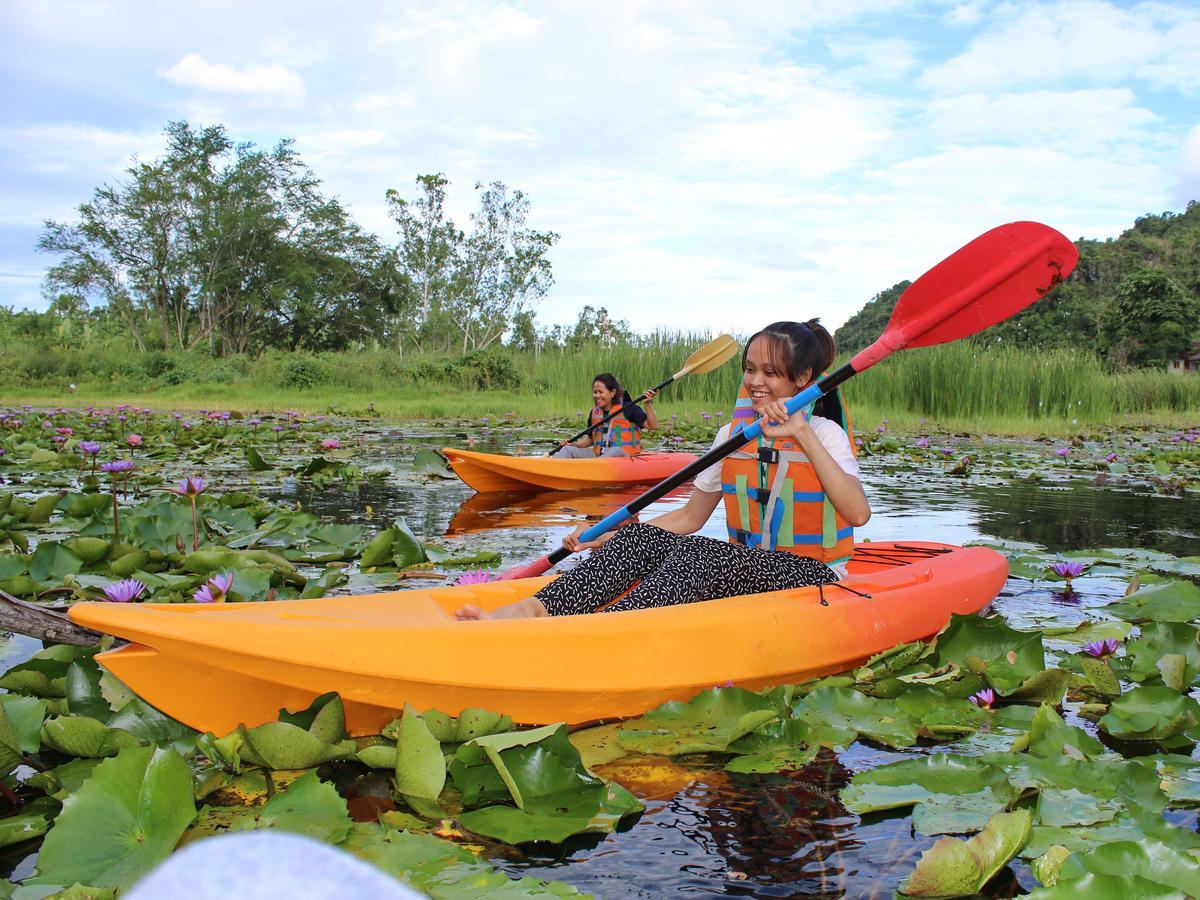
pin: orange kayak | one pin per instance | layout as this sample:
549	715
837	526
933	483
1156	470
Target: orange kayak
215	666
492	472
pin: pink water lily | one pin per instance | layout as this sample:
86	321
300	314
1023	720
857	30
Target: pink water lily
330	444
1101	649
134	440
475	576
215	589
985	699
124	591
1062	451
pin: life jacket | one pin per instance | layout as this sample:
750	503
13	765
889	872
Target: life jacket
784	491
616	432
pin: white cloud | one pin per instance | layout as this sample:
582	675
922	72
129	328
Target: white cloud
266	82
68	147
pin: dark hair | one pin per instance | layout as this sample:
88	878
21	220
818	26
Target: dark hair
794	347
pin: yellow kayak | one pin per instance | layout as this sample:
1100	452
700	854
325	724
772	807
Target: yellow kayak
217	666
492	472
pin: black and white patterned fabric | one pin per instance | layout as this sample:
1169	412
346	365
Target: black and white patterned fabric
669	569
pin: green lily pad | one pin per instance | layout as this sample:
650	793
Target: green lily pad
1155	862
84	697
468	725
542	774
709	722
123	821
82	736
1151	714
1165	601
310	807
955	868
1180	779
778	746
280	745
598	745
30	821
914	781
148	725
420	765
1125	827
1094	886
1049	735
25	716
1069	806
1160	639
835	715
939	717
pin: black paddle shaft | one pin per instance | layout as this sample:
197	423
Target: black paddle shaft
614	413
717	453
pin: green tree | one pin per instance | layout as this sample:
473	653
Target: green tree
1151	320
862	328
597	327
425	258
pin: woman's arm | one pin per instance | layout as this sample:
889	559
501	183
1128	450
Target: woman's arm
651	415
844	491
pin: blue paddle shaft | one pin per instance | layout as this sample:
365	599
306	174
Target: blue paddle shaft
717	453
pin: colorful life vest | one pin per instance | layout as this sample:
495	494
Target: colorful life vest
616	432
772	481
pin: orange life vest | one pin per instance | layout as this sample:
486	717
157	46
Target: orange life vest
773	481
616	432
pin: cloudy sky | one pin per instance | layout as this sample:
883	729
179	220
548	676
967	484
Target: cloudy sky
707	163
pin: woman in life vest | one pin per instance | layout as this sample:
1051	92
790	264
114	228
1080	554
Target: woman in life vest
792	501
619	436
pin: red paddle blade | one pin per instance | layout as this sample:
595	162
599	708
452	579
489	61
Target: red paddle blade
529	570
996	275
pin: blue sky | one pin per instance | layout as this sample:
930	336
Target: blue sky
709	165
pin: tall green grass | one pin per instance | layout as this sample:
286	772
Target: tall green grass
958	385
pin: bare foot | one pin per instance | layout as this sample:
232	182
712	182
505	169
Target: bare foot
529	608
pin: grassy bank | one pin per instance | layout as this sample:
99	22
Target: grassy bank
958	386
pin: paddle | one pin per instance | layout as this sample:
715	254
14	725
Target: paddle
996	275
713	354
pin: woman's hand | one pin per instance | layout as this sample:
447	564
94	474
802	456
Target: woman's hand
572	542
777	423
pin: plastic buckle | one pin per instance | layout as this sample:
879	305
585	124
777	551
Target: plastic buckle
769	455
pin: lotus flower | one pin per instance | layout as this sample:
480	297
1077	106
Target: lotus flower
192	486
475	576
330	444
124	591
1102	649
134	440
985	699
215	589
1068	570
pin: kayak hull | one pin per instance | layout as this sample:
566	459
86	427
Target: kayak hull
487	472
214	667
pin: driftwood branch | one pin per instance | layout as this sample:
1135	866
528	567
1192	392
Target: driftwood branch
46	624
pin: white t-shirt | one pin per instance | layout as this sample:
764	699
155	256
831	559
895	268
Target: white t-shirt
828	432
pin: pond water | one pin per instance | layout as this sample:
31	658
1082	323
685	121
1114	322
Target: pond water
706	832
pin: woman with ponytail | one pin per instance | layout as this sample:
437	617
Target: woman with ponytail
792	500
619	436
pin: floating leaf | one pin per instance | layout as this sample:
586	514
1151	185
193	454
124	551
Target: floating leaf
1151	714
468	725
420	766
709	722
1160	639
310	807
279	745
955	868
1155	862
123	821
835	715
31	820
1164	601
82	736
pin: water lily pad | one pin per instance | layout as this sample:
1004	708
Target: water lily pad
955	868
52	561
1155	862
1158	640
148	725
1180	779
1151	714
280	745
468	725
836	714
84	697
1166	601
420	766
543	775
31	820
310	807
124	820
1107	887
1125	827
1049	735
83	736
709	722
1070	806
782	745
598	745
913	781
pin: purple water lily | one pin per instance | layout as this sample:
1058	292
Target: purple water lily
118	466
192	487
1068	570
1112	457
985	699
1101	649
114	468
91	448
124	591
923	443
475	576
1062	451
215	589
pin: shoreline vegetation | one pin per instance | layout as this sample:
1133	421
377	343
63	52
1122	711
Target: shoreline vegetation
957	387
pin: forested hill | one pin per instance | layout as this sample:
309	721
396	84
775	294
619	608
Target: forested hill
1134	300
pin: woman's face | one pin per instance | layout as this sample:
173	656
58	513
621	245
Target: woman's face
764	377
601	395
